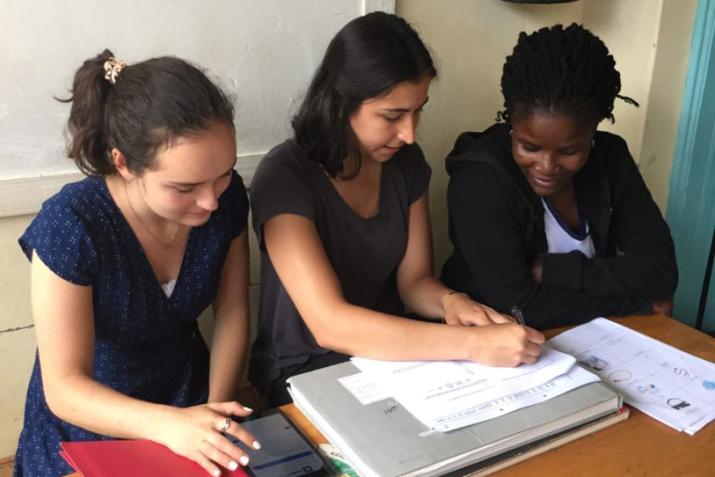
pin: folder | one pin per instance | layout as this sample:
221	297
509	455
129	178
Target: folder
382	439
136	458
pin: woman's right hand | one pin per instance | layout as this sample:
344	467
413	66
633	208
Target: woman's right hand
196	433
505	344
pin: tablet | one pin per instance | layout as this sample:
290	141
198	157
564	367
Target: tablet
284	450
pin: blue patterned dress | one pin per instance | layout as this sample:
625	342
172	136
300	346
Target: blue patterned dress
146	345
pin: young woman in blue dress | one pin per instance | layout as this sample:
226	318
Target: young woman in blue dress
341	213
123	263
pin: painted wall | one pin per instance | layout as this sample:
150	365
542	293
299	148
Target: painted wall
664	105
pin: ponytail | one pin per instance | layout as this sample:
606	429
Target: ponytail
88	145
138	109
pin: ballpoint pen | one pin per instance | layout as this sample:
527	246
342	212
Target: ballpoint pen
518	315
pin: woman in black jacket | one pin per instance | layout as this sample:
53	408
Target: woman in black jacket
549	217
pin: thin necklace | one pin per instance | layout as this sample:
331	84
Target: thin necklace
163	244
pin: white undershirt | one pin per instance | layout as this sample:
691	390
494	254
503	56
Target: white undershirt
168	287
562	239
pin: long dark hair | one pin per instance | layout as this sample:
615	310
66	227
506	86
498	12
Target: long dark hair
365	59
565	69
150	104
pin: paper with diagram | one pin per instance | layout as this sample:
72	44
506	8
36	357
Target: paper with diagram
670	385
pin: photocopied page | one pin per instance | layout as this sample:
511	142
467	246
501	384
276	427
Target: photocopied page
448	395
670	385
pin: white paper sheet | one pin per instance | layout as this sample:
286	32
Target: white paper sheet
447	395
669	385
364	389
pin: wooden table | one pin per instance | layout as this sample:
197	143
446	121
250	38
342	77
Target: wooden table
639	446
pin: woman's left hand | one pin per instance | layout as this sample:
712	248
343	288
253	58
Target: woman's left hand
460	309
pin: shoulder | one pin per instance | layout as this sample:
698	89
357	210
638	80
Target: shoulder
482	158
235	194
232	211
87	200
286	157
283	168
69	229
611	152
486	150
285	182
482	171
610	141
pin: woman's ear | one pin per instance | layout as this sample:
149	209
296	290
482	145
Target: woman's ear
120	164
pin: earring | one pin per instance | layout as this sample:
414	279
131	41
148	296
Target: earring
510	131
593	143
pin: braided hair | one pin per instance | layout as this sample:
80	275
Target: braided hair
568	70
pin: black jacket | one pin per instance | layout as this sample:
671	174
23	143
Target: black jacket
496	226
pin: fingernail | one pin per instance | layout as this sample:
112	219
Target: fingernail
256	445
216	473
247	409
233	465
243	460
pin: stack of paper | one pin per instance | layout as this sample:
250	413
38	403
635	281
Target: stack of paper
670	385
448	395
380	438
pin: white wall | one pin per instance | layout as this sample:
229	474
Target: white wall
262	52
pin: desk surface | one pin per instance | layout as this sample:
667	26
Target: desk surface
638	446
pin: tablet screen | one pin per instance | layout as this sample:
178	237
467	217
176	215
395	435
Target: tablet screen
284	451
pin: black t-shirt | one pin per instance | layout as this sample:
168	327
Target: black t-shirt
364	253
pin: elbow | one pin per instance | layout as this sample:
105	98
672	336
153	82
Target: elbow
320	332
667	282
60	396
323	340
328	327
670	285
327	338
56	403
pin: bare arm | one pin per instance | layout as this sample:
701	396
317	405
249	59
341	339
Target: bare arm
64	325
231	326
424	294
298	256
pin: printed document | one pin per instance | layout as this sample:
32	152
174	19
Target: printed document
448	395
670	385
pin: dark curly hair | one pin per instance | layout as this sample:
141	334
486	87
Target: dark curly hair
564	69
365	59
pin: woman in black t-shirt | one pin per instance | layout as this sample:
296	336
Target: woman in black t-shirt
341	213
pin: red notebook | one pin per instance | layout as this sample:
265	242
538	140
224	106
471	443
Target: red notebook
136	458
